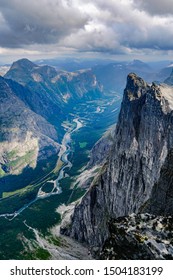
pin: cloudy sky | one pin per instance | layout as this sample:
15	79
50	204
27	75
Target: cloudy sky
116	28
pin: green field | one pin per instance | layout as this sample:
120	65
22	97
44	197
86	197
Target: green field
82	145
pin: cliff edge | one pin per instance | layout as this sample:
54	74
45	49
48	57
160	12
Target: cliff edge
134	178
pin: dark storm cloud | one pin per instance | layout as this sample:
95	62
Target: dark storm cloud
41	22
121	27
156	7
111	26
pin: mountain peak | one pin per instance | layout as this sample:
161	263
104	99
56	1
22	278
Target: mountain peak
138	63
23	63
135	80
21	70
134	86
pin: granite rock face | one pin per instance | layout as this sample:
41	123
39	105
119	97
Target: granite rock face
161	199
102	148
142	146
98	157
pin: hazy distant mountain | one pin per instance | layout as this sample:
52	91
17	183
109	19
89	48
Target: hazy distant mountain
164	73
73	64
169	80
158	65
113	76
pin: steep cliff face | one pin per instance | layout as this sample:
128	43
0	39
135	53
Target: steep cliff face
102	148
25	137
98	157
161	199
142	144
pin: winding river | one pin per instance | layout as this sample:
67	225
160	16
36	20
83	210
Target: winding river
65	150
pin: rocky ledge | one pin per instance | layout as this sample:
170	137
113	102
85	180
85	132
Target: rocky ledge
141	236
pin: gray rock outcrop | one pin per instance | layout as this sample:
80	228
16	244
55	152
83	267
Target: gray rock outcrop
139	236
142	145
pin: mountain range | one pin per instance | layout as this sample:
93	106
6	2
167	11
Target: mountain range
112	74
35	100
48	88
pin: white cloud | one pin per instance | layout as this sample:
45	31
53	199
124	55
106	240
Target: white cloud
123	26
43	21
117	26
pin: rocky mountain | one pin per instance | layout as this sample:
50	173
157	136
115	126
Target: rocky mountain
38	96
35	100
137	176
26	138
48	88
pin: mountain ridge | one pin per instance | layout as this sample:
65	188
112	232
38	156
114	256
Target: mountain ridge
22	132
